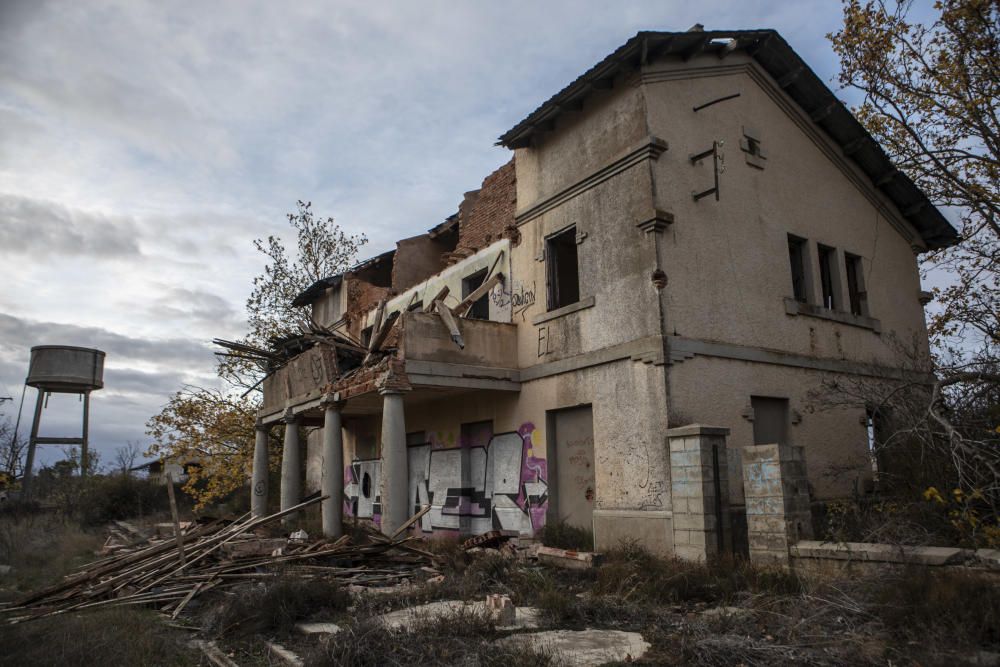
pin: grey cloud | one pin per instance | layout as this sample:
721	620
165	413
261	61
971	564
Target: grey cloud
18	335
45	228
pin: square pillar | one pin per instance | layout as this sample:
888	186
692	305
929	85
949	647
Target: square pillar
777	500
291	467
333	468
258	480
699	491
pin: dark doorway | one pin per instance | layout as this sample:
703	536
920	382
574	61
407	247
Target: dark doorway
770	420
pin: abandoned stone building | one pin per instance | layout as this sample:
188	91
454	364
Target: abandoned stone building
621	329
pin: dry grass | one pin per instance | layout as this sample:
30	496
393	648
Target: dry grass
41	547
273	608
458	639
120	636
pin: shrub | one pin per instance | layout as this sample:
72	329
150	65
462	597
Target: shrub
961	608
119	497
561	535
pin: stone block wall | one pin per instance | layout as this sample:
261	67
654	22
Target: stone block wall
699	491
777	500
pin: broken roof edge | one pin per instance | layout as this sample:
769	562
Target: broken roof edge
773	54
314	291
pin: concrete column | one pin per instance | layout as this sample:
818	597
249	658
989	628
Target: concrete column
699	491
291	468
258	482
395	468
777	500
333	471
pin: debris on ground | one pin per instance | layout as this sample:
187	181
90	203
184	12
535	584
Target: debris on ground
165	574
573	560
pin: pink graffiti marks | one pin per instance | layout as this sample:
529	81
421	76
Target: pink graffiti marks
534	473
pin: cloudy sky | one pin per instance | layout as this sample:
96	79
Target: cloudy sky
144	145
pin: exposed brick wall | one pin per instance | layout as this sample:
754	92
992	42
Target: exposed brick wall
489	216
361	298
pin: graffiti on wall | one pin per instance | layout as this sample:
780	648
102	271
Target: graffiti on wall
519	297
472	488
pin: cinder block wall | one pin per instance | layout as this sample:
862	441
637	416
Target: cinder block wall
699	489
777	500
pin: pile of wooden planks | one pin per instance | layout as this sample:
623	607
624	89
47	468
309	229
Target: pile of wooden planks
168	574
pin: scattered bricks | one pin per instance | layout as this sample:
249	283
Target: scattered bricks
572	560
500	609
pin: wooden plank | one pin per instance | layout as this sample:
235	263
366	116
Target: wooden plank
449	322
177	521
412	520
462	309
379	314
432	304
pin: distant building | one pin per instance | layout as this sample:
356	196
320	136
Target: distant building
156	471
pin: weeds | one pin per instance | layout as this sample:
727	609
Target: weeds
561	535
275	607
459	639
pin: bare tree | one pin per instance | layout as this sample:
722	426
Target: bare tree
126	456
12	451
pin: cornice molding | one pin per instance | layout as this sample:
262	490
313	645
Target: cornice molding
650	149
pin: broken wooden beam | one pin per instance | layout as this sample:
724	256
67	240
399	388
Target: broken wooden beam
449	322
432	304
462	309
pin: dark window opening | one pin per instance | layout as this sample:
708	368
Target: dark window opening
476	434
366	336
855	284
481	308
563	270
827	260
797	256
770	420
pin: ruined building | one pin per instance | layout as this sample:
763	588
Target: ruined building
687	240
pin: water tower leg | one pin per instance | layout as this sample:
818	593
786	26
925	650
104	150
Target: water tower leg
84	461
30	462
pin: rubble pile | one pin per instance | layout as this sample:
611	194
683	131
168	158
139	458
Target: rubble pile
168	573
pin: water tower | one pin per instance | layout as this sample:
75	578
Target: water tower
61	369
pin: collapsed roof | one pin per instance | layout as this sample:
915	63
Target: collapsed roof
777	58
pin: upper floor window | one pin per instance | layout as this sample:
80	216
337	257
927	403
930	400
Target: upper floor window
855	285
828	276
480	310
797	253
563	271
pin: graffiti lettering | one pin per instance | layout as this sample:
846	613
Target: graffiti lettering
471	489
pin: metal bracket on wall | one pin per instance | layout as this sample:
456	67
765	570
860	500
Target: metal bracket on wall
716	165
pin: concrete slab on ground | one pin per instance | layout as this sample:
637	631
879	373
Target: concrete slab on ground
583	648
402	619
